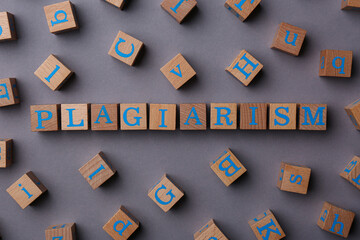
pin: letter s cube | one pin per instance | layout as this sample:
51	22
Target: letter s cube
293	178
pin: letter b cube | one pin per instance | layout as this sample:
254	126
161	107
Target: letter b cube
266	227
293	178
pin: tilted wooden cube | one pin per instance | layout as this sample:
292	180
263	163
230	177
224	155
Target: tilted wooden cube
353	111
266	227
253	116
223	116
335	63
293	178
350	4
178	9
7	27
8	92
133	116
45	118
289	39
61	17
75	116
352	172
210	232
282	116
242	8
312	117
162	117
117	3
61	232
104	117
193	116
6	149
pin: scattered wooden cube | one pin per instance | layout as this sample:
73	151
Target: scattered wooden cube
289	39
6	146
242	8
193	116
45	118
117	3
244	68
265	226
125	48
223	116
25	190
61	232
178	9
312	117
294	178
8	92
210	232
335	63
352	172
165	193
133	116
335	220
350	4
97	171
7	26
282	116
74	116
353	111
253	116
61	17
53	73
178	71
162	117
122	225
104	117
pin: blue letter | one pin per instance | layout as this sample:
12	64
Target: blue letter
253	113
294	178
323	216
193	111
242	70
287	38
71	120
341	66
231	165
162	117
6	94
226	116
56	18
241	3
268	230
52	73
172	196
57	238
60	226
26	191
125	226
96	171
357	180
40	120
137	123
0	30
177	73
106	114
319	114
121	54
177	6
332	229
350	166
287	119
322	62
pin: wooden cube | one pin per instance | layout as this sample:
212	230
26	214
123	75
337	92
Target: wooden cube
282	116
165	193
125	48
210	232
61	17
53	73
45	118
122	225
133	116
61	232
223	116
162	117
7	27
350	4
265	226
242	8
289	39
117	3
253	116
9	94
193	116
178	71
6	147
26	189
74	116
335	220
335	63
353	111
244	68
352	172
227	167
104	117
178	9
312	117
293	178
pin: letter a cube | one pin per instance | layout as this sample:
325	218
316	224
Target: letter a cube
227	167
242	8
165	193
335	220
312	117
353	111
193	116
210	232
293	178
6	146
289	39
335	63
104	117
7	27
61	17
352	172
8	92
61	232
265	226
178	9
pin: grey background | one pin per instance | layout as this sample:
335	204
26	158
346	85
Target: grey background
209	39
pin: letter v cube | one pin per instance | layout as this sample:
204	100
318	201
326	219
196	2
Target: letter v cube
265	226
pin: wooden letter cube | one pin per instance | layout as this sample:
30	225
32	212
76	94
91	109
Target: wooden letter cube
7	26
117	3
244	68
210	232
133	116
223	116
104	117
74	116
335	63
45	118
265	226
125	48
178	71
242	8
350	4
253	116
162	117
6	146
193	116
8	92
61	17
179	9
312	117
165	193
293	178
352	172
282	116
25	190
335	220
61	232
53	73
122	225
353	111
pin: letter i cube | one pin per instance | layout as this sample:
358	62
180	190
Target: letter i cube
61	232
265	226
6	146
45	118
352	172
162	117
178	9
353	111
350	4
242	8
227	167
61	17
293	178
8	92
335	63
26	189
210	232
7	26
335	220
289	39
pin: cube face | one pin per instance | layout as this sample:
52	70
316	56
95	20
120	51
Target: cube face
133	116
312	117
242	8
289	39
193	116
7	26
282	116
335	220
53	73
104	117
223	116
227	167
353	111
6	146
350	4
352	172
26	189
61	232
178	9
8	92
294	178
253	116
265	226
210	232
45	118
178	71
74	116
165	193
61	17
335	63
122	225
162	117
117	3
244	68
125	48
